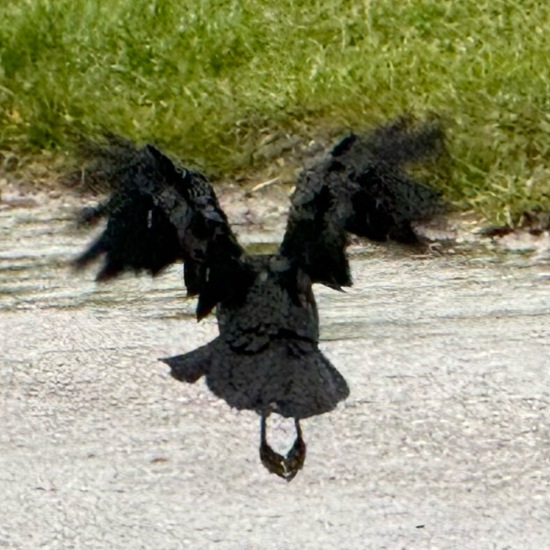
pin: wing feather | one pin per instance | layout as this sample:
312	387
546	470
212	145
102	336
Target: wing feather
160	213
361	187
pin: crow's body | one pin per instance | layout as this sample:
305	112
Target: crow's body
266	357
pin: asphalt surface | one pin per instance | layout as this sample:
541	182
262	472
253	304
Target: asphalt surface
444	442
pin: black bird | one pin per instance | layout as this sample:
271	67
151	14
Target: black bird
266	357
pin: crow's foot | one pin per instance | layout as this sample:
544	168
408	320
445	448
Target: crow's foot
285	467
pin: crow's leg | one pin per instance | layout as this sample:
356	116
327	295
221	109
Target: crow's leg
297	455
273	461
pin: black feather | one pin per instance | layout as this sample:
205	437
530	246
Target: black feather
361	187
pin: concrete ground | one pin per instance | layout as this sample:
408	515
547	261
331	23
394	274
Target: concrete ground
444	442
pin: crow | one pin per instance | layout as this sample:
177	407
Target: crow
266	357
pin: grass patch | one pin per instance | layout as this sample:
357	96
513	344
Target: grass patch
207	80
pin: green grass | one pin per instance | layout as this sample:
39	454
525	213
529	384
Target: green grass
207	79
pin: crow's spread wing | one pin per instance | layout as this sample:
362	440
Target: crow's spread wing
361	187
160	213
